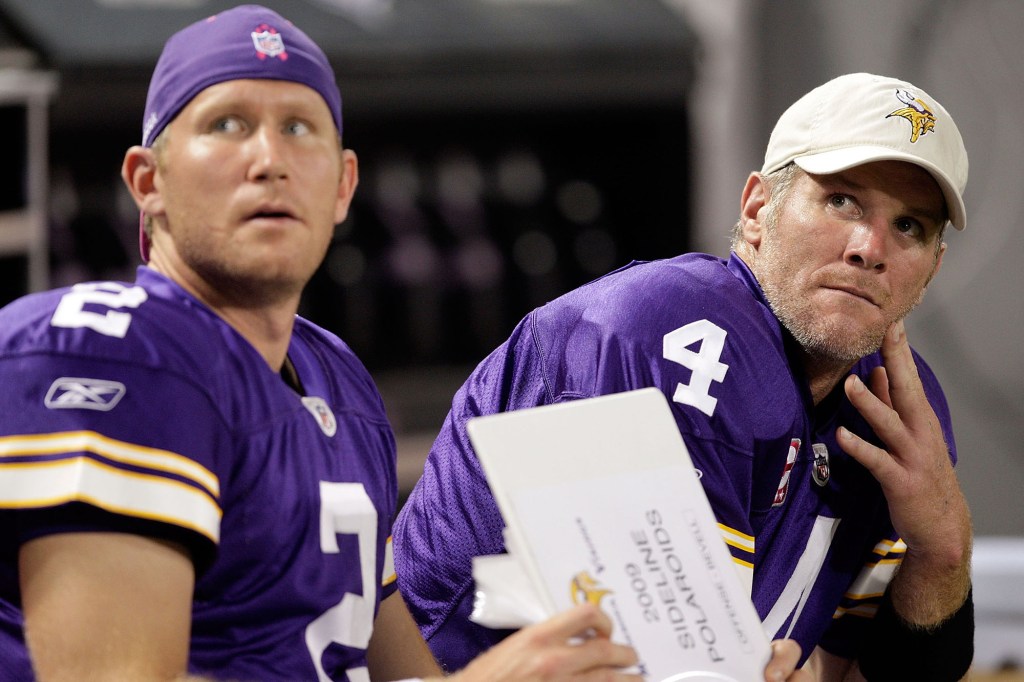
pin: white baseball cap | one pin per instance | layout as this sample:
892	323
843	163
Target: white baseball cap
859	118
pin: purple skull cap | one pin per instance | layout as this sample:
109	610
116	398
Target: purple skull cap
248	41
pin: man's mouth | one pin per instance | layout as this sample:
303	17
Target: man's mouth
271	213
854	291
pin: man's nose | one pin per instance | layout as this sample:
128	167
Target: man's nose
868	245
267	155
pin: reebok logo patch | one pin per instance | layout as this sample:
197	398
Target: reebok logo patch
74	393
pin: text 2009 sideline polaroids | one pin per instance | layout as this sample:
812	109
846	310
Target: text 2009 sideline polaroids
602	504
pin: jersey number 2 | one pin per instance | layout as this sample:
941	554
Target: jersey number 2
346	509
703	364
71	310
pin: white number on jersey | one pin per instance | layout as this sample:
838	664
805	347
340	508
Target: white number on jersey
71	310
703	365
794	595
346	509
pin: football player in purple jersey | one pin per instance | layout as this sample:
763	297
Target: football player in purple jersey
193	479
824	442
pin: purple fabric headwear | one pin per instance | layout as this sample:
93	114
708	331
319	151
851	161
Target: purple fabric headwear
248	41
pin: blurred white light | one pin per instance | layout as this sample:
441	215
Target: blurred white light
413	260
478	262
520	178
580	202
459	179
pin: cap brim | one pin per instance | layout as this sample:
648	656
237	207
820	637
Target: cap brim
836	160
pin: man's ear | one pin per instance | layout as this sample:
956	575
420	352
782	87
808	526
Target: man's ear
139	170
938	264
753	204
347	184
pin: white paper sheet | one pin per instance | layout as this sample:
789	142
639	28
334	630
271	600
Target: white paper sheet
602	503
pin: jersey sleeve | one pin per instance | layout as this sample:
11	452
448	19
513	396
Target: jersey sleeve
854	613
85	444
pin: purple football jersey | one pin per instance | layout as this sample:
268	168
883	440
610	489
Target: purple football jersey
807	526
133	407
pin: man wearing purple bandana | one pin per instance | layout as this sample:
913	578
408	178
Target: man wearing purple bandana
195	481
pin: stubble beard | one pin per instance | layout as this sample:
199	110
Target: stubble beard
823	337
243	284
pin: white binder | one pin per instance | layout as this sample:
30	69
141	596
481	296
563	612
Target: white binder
602	502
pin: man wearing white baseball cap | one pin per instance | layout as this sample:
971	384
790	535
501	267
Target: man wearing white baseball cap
824	441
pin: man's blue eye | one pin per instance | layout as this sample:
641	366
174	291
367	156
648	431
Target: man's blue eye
226	124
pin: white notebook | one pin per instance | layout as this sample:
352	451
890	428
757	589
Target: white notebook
602	503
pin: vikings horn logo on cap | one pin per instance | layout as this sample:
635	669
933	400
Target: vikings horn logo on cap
922	120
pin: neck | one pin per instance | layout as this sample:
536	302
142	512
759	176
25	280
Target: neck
266	322
823	374
269	331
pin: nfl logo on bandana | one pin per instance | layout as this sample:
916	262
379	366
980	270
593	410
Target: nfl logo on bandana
268	43
820	469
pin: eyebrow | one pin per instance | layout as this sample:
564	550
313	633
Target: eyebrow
843	181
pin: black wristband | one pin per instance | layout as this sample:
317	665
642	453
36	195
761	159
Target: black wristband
896	650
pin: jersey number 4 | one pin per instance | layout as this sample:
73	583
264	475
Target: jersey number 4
703	363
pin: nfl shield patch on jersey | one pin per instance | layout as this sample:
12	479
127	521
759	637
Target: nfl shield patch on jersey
322	413
820	470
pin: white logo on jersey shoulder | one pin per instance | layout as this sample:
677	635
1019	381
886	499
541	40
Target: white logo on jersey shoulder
322	413
75	393
83	307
